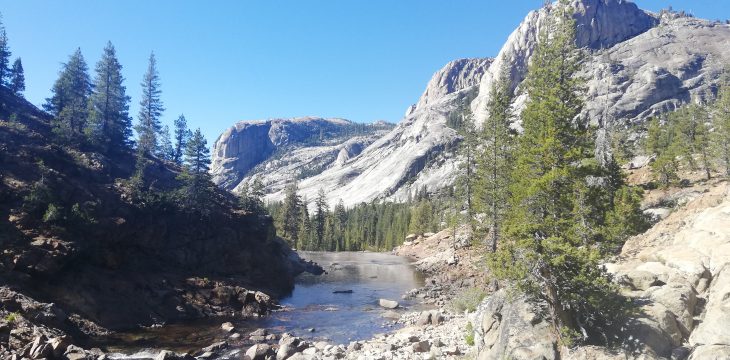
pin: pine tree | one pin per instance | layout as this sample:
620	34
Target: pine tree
495	161
721	122
165	151
695	137
110	126
542	251
151	109
69	102
292	212
304	233
661	140
17	78
340	215
251	197
4	56
198	189
181	138
320	217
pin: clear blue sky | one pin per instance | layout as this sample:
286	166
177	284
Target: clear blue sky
224	61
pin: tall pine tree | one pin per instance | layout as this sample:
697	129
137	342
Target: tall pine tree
291	213
198	189
542	251
4	56
165	151
150	109
320	218
181	138
69	102
110	126
17	78
495	161
721	122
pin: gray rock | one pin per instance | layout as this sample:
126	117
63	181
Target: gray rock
507	325
227	327
711	352
421	346
424	318
388	304
259	352
713	329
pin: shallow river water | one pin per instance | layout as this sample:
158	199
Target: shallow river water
336	317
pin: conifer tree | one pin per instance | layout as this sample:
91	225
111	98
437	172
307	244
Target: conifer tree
252	195
542	251
69	102
165	150
304	234
320	217
292	212
695	137
181	138
661	141
198	189
495	161
4	56
721	122
340	216
151	109
110	126
17	78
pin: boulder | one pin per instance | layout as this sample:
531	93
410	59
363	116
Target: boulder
259	332
411	237
710	352
508	325
59	345
424	318
259	352
421	346
642	280
680	299
388	304
228	327
713	329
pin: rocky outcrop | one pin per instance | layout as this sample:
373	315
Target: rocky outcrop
677	273
600	23
280	150
456	75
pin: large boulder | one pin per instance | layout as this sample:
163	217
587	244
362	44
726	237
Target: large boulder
714	328
510	327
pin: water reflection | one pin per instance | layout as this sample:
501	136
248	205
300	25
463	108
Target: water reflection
337	317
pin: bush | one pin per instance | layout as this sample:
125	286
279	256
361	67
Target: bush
11	318
469	334
53	213
468	300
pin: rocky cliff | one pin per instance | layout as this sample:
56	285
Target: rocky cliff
81	257
279	151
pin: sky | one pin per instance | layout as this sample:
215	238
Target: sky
225	61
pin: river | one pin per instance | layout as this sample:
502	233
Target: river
314	310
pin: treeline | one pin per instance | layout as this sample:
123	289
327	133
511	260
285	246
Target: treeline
695	136
376	226
92	114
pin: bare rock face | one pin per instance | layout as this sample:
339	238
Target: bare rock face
456	75
417	146
280	150
600	24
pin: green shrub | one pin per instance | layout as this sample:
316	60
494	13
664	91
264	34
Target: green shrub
467	300
53	213
469	334
11	318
